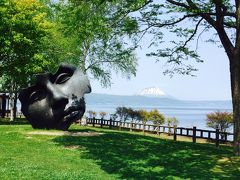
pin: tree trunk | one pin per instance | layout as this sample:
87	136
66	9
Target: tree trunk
235	87
11	99
15	106
4	105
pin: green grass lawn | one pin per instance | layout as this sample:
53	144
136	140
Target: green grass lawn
110	155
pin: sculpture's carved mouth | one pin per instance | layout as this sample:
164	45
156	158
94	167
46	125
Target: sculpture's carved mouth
75	111
74	115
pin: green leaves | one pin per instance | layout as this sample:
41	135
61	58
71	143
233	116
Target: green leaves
23	26
99	45
156	117
221	120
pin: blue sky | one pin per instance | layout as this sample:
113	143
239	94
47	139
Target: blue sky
212	81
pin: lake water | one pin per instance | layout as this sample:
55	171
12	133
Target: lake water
188	113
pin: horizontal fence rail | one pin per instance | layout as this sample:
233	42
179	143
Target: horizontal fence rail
216	136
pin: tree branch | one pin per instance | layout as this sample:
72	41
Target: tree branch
98	62
200	36
219	12
178	4
123	14
195	31
175	22
237	24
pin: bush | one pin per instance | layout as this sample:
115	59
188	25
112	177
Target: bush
143	115
122	113
156	117
92	114
102	114
172	121
220	120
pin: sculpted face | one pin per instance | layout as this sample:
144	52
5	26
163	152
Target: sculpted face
57	100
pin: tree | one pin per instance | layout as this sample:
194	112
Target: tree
122	113
144	115
92	114
172	121
138	116
98	45
23	27
220	120
102	114
132	113
156	117
218	19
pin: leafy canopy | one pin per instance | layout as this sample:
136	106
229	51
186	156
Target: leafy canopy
23	29
220	120
98	45
156	117
174	28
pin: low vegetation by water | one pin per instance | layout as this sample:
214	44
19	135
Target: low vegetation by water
108	154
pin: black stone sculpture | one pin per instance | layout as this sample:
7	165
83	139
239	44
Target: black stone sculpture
56	100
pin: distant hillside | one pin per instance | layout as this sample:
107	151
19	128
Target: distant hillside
143	101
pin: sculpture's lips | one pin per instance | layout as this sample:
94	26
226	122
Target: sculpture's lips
73	115
74	112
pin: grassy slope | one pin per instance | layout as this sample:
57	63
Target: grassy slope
112	155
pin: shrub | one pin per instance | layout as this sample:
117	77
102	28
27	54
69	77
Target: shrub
143	115
92	114
172	121
156	117
122	113
220	120
133	114
102	114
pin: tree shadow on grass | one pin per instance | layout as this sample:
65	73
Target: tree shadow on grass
134	156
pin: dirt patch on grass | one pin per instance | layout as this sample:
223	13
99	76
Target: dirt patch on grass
65	133
73	147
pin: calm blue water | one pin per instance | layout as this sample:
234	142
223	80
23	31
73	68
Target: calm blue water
188	113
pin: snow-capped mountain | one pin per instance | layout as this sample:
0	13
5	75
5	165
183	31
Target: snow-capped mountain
152	92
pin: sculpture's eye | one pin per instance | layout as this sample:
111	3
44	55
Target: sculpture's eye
37	95
62	78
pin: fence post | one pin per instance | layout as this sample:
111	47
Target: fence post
169	131
175	133
110	123
131	126
80	121
120	124
158	129
93	122
194	134
101	122
217	137
225	137
144	127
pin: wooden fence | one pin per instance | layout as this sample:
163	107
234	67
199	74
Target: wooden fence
216	136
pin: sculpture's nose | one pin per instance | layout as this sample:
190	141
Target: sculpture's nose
89	89
59	101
